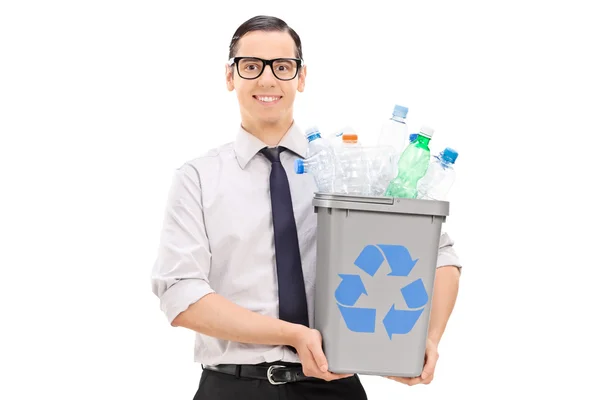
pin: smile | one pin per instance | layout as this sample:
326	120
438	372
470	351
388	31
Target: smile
267	100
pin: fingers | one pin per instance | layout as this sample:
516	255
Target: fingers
319	357
428	371
426	377
330	376
430	362
406	381
320	361
313	359
413	381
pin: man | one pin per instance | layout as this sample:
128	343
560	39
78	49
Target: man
236	262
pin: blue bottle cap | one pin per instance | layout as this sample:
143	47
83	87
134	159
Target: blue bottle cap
400	111
299	165
312	133
449	155
413	137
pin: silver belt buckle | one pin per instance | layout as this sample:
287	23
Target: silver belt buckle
270	374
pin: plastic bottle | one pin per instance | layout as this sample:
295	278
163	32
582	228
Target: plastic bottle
316	142
320	161
353	177
394	131
412	166
440	176
382	167
321	168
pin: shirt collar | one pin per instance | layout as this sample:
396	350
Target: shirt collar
247	145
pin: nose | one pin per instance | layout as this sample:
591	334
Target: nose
267	79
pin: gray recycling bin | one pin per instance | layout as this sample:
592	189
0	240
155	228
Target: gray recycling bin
376	262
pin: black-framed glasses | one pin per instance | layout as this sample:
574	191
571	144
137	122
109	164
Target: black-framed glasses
284	69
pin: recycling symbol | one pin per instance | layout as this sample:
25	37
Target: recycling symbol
351	288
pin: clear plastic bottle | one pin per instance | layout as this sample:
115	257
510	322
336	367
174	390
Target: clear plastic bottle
353	177
394	131
320	161
412	166
316	142
321	167
440	176
382	167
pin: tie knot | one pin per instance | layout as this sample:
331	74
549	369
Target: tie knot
272	153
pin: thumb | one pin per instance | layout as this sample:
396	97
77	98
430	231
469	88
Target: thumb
426	373
429	368
319	357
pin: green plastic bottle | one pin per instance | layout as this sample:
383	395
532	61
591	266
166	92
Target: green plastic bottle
412	166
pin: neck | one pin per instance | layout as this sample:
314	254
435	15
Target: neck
423	140
269	133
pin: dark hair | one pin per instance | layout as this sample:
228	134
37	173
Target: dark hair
263	23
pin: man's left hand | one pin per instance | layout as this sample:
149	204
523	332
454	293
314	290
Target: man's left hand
431	357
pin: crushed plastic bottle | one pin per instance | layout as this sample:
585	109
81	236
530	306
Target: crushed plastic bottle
381	166
320	161
321	168
353	177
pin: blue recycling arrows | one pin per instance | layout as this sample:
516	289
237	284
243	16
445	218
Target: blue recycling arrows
347	294
369	259
359	319
351	288
400	321
415	294
399	259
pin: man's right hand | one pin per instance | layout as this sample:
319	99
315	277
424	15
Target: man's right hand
309	345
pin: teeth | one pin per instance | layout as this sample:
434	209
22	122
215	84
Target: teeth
267	99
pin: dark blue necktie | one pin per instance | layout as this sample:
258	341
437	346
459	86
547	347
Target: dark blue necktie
292	294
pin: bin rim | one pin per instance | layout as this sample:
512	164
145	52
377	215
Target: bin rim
382	204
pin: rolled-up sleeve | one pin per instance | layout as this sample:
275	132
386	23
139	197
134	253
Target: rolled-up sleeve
181	269
446	253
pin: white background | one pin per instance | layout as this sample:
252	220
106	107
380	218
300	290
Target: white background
101	101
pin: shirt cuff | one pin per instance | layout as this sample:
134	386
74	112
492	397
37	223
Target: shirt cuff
181	295
448	257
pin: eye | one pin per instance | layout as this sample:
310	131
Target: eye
250	65
284	66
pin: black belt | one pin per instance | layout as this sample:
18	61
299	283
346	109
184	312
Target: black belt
276	374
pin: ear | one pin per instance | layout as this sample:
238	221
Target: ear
229	77
302	79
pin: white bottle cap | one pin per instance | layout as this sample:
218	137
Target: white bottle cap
426	131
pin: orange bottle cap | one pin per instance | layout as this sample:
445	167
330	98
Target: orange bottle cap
350	137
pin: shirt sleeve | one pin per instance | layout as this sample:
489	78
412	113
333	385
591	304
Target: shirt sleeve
181	269
446	253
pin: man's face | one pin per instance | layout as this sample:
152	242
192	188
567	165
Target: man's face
266	99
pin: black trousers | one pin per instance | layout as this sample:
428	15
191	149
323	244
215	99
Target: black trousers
219	386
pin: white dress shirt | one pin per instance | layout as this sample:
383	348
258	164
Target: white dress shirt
217	236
